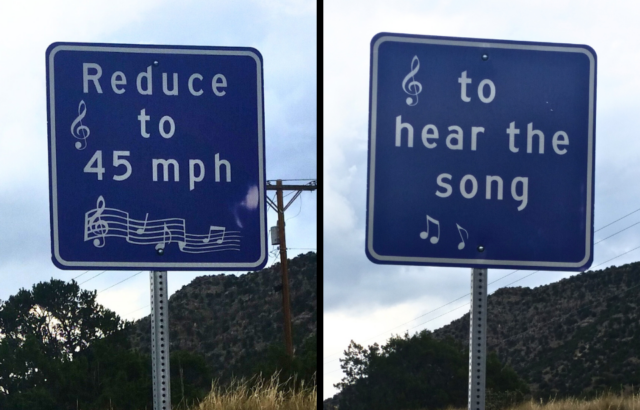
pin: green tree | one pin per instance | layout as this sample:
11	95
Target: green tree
45	348
414	372
190	377
292	372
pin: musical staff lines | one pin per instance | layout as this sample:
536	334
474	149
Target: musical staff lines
102	222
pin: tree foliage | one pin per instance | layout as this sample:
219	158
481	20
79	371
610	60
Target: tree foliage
414	372
292	372
60	349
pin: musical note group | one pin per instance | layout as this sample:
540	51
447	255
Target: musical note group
436	238
102	222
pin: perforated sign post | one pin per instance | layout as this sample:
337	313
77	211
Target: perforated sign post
481	155
156	161
156	157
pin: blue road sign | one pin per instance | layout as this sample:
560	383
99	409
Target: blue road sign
481	153
156	157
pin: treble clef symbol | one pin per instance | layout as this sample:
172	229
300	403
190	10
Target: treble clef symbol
81	132
96	226
413	88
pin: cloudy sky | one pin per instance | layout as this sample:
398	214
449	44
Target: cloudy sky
284	31
368	303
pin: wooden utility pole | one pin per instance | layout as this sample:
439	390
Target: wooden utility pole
280	208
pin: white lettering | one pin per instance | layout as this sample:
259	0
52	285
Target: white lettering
530	133
117	79
192	176
474	133
191	89
227	167
463	80
165	167
86	77
426	135
525	188
399	127
463	188
444	185
490	179
143	123
172	127
492	91
215	84
512	131
457	137
165	87
147	76
563	141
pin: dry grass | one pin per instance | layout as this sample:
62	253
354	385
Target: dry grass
259	394
607	401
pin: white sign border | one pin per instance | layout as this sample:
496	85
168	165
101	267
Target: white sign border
372	151
53	163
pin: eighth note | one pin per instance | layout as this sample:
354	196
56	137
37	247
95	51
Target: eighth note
215	228
425	234
413	88
462	244
141	230
164	242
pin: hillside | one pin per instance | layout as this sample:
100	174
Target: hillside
577	336
231	320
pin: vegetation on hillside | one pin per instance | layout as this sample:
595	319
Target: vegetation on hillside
61	350
574	338
414	372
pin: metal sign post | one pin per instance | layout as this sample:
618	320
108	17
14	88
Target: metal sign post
160	341
477	339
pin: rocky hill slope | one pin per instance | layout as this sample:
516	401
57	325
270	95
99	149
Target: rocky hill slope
231	320
575	337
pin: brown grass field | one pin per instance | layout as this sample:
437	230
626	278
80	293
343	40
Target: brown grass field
607	401
258	394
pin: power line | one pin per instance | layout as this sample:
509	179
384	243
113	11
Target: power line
93	277
124	280
134	311
622	254
599	229
299	210
617	233
85	272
